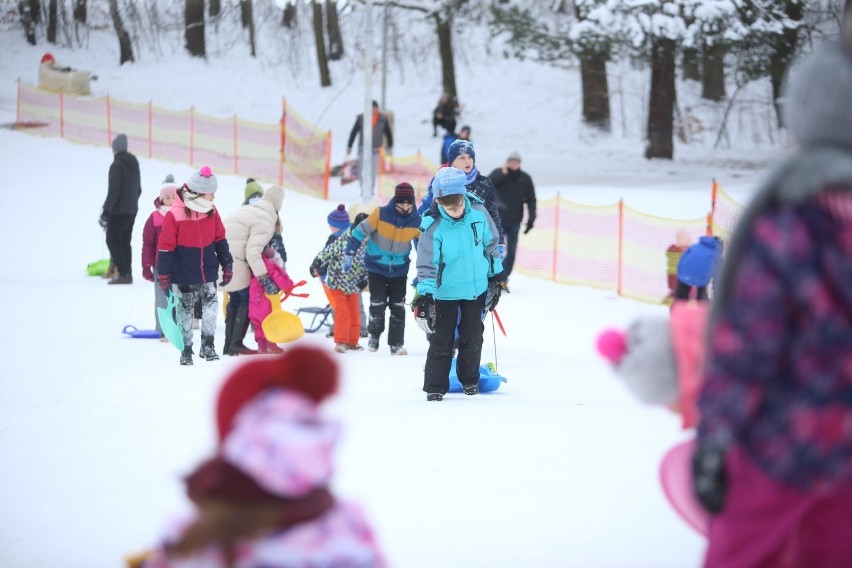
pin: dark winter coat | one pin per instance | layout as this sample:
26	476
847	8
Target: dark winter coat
124	187
514	189
380	128
390	235
698	263
192	246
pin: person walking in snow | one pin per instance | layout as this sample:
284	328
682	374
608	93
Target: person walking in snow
150	241
191	249
381	131
259	304
514	189
389	230
697	266
773	462
344	286
120	209
250	229
444	115
457	268
264	498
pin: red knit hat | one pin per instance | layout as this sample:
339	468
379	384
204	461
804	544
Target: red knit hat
47	58
310	371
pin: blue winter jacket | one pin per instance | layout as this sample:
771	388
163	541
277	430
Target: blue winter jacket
455	257
390	235
698	263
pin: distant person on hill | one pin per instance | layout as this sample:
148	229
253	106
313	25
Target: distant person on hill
444	115
150	242
191	249
773	462
381	131
120	209
264	498
515	189
697	266
449	138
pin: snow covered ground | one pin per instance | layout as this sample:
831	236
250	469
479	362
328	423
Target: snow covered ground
558	468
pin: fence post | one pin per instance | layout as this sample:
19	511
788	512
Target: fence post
109	120
61	113
555	264
714	189
150	130
18	106
236	147
620	269
192	135
327	165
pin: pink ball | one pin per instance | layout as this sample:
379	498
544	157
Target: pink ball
612	344
206	171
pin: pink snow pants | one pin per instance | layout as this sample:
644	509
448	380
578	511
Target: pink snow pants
769	525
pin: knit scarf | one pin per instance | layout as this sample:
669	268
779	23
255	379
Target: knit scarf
198	204
471	176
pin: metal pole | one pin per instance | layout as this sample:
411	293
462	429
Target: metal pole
367	122
385	55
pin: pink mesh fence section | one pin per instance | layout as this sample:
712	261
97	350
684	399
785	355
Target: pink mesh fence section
86	120
260	152
586	244
171	135
214	143
726	213
39	112
132	120
416	170
306	163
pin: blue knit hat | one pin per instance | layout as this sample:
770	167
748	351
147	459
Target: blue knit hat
339	218
449	181
458	148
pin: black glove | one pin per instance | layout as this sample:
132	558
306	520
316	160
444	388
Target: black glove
268	285
314	269
529	227
708	476
424	312
103	219
492	295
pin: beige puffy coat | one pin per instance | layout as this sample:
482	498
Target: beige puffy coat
248	231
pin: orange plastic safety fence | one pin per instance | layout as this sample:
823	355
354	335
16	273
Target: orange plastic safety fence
291	153
416	170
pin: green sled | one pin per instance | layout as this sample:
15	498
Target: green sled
97	268
171	330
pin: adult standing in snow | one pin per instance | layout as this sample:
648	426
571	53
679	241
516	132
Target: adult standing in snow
249	230
444	115
697	266
120	209
774	455
515	189
381	131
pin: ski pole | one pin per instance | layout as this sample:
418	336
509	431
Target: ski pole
494	337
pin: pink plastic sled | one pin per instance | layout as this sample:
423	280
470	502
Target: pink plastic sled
676	479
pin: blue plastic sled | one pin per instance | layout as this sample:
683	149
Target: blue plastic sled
140	333
489	380
170	329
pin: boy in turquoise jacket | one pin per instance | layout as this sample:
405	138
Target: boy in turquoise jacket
458	268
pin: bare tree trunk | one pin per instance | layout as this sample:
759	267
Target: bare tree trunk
783	51
215	8
25	10
35	7
247	14
288	16
661	104
713	72
194	31
595	90
51	21
335	39
445	47
81	11
125	47
319	39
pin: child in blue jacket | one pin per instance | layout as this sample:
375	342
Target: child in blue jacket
458	268
697	266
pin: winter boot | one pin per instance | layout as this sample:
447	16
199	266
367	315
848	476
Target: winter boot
398	350
434	396
354	347
471	389
340	347
207	350
373	344
241	323
273	348
186	355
